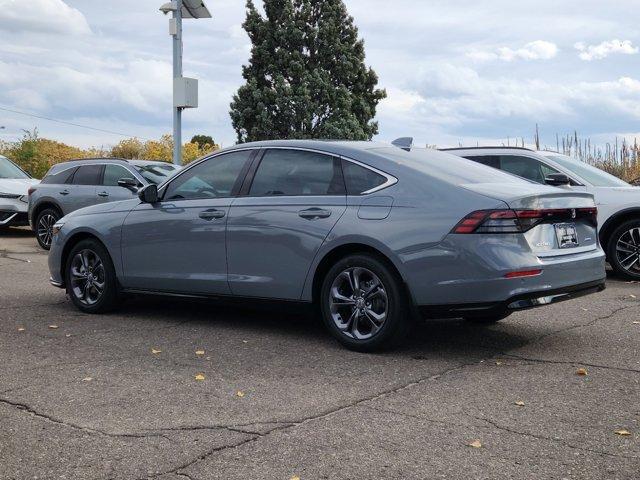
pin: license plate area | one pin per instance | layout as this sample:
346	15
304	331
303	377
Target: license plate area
567	235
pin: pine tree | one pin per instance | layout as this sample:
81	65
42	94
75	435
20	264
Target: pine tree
306	77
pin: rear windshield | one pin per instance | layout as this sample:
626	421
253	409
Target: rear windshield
9	170
449	168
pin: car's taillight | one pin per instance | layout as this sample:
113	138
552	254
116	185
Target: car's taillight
31	190
519	221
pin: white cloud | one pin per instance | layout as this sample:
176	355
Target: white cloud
604	49
537	50
42	16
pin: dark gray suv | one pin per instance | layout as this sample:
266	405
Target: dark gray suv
77	184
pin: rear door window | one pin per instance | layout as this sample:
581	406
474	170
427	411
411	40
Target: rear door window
88	175
297	173
60	178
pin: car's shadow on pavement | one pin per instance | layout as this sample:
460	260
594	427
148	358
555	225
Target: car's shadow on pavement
300	326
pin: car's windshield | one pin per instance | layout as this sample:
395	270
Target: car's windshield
9	170
593	175
157	173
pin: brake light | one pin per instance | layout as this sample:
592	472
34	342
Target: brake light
31	190
519	221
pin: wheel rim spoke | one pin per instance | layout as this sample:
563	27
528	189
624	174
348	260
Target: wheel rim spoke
358	303
628	250
88	277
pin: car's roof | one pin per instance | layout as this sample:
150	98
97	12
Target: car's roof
494	147
341	147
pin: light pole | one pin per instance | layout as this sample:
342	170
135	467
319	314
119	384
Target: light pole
185	90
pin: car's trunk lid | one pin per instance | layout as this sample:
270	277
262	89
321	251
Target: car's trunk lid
566	228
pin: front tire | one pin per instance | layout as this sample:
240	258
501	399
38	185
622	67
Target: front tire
624	250
90	278
44	227
364	305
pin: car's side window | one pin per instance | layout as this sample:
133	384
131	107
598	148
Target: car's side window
212	178
360	179
526	167
488	160
113	173
88	175
297	172
60	178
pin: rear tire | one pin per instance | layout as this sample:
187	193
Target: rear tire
44	223
487	319
91	279
623	250
364	305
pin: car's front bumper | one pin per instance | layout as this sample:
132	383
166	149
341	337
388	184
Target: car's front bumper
517	302
13	215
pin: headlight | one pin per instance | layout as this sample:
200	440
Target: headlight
57	227
9	195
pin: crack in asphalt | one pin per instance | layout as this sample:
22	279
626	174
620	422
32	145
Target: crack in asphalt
6	254
284	425
583	325
28	409
550	439
569	362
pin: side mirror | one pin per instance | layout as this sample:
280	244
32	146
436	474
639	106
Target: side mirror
130	183
557	179
148	194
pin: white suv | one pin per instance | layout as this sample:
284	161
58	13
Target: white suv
14	198
618	202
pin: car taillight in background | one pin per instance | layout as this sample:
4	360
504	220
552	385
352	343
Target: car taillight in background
31	190
520	221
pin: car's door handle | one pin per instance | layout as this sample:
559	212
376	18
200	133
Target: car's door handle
314	213
64	192
103	194
211	214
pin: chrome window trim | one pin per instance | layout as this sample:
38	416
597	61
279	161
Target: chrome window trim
390	179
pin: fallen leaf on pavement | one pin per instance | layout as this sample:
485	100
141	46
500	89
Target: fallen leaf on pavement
199	352
240	394
582	372
245	341
295	477
633	296
636	323
199	377
53	327
499	363
87	379
476	444
623	433
519	403
21	329
67	335
155	352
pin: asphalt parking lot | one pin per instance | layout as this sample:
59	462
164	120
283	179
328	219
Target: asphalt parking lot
171	390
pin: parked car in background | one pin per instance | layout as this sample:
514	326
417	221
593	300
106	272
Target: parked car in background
76	184
618	202
14	198
366	232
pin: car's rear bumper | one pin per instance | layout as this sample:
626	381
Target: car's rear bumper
517	302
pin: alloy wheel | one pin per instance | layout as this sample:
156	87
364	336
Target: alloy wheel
628	250
45	229
358	303
88	277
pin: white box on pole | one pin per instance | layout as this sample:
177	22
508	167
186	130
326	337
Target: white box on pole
185	92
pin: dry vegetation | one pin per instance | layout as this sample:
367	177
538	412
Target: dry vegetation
36	155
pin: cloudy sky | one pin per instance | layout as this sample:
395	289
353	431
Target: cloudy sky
456	71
